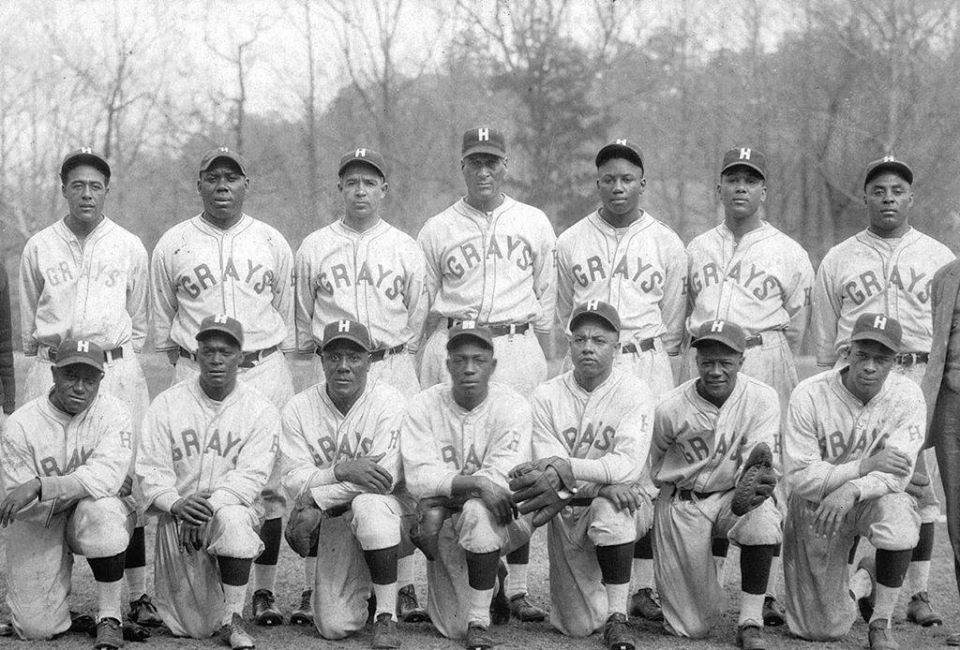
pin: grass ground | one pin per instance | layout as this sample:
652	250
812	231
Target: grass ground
517	636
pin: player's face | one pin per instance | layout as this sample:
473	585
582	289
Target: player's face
470	365
362	189
592	349
85	190
218	356
742	191
345	367
74	387
223	188
620	184
870	363
889	199
483	174
718	366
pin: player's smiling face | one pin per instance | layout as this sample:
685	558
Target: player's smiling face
620	184
85	190
362	189
592	349
470	364
888	198
218	356
483	174
223	187
717	366
741	190
870	363
345	367
74	387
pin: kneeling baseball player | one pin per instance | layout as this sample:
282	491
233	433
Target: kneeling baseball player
849	450
207	449
711	457
340	457
591	431
63	461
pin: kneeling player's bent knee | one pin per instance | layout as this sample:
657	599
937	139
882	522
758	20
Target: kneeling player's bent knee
100	527
609	526
375	521
232	532
759	526
476	529
893	523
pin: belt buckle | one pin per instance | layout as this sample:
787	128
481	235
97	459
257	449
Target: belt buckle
511	330
907	359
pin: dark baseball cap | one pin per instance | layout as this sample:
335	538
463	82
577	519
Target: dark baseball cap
84	156
721	331
78	351
483	139
888	164
224	325
745	157
469	329
366	156
620	148
596	309
223	153
876	327
346	330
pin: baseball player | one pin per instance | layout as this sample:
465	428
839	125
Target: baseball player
340	450
207	450
703	430
598	419
63	460
490	259
8	385
224	261
748	272
458	442
86	277
851	441
622	255
886	268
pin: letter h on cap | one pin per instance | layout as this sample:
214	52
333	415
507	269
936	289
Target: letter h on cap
343	326
880	323
744	154
360	153
483	134
592	305
717	325
83	346
220	318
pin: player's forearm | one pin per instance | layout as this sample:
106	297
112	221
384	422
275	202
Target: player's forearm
820	478
335	495
423	481
612	468
876	484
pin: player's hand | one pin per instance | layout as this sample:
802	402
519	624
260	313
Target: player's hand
191	538
623	497
498	500
829	515
366	473
890	460
194	509
17	500
127	488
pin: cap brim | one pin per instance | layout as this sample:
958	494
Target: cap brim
484	148
344	337
93	160
885	341
617	151
76	360
219	330
360	161
239	165
716	338
899	168
595	316
465	334
741	163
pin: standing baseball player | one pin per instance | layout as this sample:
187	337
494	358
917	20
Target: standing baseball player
8	385
597	419
224	261
340	453
63	459
704	432
851	441
207	449
490	259
747	272
622	255
888	269
458	442
86	277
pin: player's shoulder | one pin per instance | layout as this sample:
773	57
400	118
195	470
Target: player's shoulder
511	204
22	417
308	398
549	390
709	239
677	396
784	242
261	228
901	388
179	393
185	229
660	229
930	247
442	219
253	401
432	397
506	400
381	396
815	384
757	391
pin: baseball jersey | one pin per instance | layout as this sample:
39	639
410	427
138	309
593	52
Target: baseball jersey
244	272
95	288
867	273
829	431
375	277
604	432
762	282
191	442
492	268
75	456
641	270
440	440
697	446
316	436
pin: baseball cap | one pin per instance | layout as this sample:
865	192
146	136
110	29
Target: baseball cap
597	309
346	330
888	164
363	155
223	153
620	148
223	324
73	351
745	157
84	156
483	139
721	331
876	327
469	329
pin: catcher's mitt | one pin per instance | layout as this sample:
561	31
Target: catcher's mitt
303	528
542	492
425	533
918	482
756	482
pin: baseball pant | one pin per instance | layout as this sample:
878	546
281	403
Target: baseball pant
40	558
520	361
946	431
189	596
578	599
693	600
396	370
818	603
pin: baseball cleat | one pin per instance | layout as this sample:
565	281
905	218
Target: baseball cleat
303	614
644	604
500	605
265	611
920	611
881	636
408	607
109	634
385	633
525	611
865	604
617	634
233	634
143	612
750	636
82	624
774	615
477	638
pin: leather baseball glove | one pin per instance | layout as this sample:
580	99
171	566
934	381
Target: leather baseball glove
425	532
541	491
757	481
303	528
918	481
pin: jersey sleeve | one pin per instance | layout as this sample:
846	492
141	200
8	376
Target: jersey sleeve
17	464
545	442
545	278
426	473
298	468
31	286
826	314
626	462
673	306
246	480
797	300
138	295
305	301
433	277
283	293
565	290
163	297
155	458
415	297
509	443
764	427
661	439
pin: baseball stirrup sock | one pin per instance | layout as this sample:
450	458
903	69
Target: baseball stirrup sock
617	596
108	600
136	579
478	604
386	596
643	573
264	577
860	584
751	608
233	599
884	601
310	572
405	570
516	581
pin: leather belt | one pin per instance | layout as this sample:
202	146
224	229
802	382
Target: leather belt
379	355
689	495
644	345
508	329
108	355
910	358
754	341
250	359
